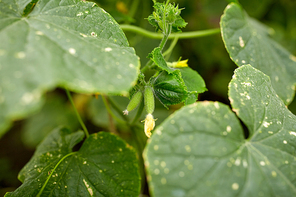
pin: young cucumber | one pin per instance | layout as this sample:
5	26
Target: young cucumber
134	102
149	99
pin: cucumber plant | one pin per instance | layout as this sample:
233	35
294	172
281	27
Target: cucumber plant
199	150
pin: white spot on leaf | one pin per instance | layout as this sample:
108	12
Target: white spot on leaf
39	33
93	34
235	186
241	42
156	171
237	162
158	132
28	98
20	55
245	163
216	105
83	35
89	189
187	148
108	49
266	124
72	51
246	83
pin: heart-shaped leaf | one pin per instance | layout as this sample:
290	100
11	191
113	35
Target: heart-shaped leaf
104	166
247	42
201	150
71	44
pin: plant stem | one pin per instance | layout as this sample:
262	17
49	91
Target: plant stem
77	114
170	49
161	46
149	63
183	35
165	37
112	127
111	112
163	41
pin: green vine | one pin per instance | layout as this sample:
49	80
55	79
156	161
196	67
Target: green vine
183	35
77	114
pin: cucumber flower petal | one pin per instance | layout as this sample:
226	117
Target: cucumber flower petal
149	124
178	64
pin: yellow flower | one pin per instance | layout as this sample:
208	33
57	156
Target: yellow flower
121	7
149	125
181	64
178	64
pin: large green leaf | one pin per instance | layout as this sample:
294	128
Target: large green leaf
247	42
71	44
104	166
201	150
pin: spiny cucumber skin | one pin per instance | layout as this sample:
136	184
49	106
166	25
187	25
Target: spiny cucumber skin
135	101
149	100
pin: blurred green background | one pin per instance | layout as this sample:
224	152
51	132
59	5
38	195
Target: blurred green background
207	55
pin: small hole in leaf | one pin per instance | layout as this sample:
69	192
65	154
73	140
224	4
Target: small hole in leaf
77	146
